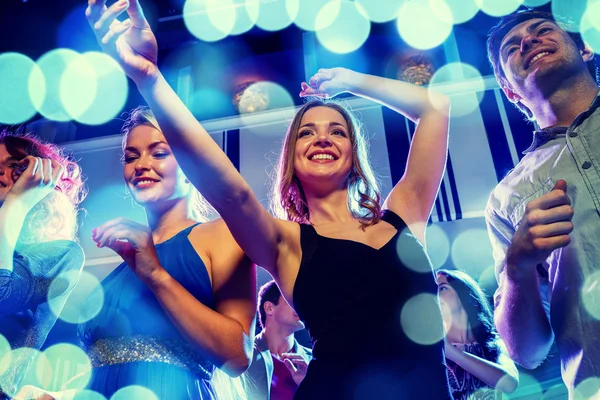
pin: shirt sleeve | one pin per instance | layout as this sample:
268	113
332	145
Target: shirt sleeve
34	269
501	231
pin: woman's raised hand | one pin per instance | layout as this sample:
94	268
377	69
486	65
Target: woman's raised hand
130	42
327	83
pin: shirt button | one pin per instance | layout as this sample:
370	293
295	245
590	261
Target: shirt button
573	134
586	165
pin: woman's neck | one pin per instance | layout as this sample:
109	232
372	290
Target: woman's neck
328	208
167	221
460	330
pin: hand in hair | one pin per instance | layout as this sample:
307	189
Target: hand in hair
329	83
133	242
131	42
36	181
544	228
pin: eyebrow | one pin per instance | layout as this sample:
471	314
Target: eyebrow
150	146
312	125
10	158
515	38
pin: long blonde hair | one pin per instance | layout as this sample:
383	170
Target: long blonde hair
55	216
201	210
288	198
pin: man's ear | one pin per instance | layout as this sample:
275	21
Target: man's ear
268	306
512	96
587	53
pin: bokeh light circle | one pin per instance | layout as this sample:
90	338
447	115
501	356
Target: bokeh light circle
590	294
411	253
134	392
460	10
535	3
381	11
277	15
246	17
84	302
529	388
438	245
60	357
348	30
5	351
94	88
589	389
498	8
421	27
590	26
307	13
572	10
13	362
421	319
209	20
263	96
467	97
45	87
16	70
472	252
88	395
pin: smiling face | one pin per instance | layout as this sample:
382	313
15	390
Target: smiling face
323	147
151	172
536	53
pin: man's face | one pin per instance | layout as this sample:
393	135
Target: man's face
535	52
284	316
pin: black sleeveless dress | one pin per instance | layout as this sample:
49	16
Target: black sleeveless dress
351	299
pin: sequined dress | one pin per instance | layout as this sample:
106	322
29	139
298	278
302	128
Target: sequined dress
132	341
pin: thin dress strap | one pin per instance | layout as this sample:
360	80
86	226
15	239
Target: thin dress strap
393	219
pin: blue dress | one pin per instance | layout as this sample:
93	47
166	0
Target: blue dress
132	341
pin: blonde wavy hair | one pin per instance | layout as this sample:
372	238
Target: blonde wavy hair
200	209
55	216
288	198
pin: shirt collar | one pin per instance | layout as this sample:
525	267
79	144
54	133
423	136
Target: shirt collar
543	136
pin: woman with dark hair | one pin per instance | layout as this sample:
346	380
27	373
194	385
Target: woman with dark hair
475	356
335	256
40	193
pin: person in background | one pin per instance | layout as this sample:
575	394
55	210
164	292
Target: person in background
478	366
279	362
40	192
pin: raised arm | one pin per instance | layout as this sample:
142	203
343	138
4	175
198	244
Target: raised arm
133	45
414	195
32	185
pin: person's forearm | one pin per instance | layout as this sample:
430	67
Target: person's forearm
196	152
12	217
412	101
521	320
221	339
492	374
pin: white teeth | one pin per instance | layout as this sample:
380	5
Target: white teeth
144	181
538	56
322	157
